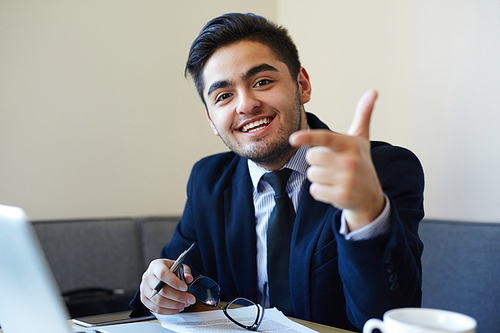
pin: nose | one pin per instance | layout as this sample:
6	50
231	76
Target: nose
247	102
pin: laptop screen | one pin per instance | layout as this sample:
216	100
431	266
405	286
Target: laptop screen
30	300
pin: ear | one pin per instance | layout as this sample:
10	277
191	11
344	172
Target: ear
304	86
211	123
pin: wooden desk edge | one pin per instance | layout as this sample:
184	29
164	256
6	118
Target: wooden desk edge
319	327
314	326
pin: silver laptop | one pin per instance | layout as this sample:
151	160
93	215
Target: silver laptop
30	300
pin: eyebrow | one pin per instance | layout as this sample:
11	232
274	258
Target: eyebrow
251	72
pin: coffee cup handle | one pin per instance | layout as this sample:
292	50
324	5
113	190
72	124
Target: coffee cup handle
372	324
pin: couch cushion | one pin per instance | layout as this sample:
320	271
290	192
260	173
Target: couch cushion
155	233
461	269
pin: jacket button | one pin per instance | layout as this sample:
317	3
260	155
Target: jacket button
394	286
389	266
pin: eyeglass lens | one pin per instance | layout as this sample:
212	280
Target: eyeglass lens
206	291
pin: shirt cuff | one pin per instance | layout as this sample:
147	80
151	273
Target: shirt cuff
372	229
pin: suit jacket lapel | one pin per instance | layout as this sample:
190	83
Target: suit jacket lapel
306	232
241	238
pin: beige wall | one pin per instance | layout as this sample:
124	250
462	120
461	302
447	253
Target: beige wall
96	118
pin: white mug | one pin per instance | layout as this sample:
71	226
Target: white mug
422	320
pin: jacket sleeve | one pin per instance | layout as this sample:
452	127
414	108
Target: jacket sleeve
385	272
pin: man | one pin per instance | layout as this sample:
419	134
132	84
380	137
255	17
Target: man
354	249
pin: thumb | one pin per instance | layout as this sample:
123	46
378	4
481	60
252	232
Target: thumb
360	125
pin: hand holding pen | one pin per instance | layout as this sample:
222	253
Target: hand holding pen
169	296
173	269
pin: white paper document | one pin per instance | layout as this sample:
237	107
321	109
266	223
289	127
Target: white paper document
216	321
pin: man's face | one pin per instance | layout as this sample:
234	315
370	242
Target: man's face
253	103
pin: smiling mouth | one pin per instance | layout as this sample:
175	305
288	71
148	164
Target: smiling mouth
256	125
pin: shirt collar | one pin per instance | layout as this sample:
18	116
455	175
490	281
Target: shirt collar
297	163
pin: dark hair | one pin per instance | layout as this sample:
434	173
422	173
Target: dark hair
234	27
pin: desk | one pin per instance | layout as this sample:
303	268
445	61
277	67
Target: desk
317	327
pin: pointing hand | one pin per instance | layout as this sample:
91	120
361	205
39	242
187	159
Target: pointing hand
341	169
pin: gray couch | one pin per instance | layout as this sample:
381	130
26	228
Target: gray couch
103	260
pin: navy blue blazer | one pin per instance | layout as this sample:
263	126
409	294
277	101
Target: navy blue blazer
333	281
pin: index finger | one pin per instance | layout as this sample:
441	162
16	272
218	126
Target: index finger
319	137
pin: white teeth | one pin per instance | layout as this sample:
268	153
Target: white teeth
255	124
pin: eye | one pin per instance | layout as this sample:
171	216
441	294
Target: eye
263	82
222	97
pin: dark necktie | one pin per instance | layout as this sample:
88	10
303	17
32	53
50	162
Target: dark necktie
279	234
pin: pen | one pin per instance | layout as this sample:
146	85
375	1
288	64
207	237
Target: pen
174	267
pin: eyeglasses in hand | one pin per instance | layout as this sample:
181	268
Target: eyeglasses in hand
207	292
